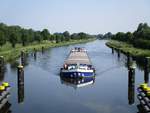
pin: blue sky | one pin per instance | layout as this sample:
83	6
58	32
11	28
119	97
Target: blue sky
90	16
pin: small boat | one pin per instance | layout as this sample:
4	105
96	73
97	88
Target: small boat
77	65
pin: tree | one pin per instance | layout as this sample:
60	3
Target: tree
82	35
24	37
58	37
2	38
45	34
38	36
66	35
140	27
13	39
107	35
129	36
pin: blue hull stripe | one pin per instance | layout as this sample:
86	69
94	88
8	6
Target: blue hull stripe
77	74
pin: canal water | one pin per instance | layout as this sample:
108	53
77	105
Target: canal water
45	92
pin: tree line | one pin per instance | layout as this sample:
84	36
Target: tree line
139	38
18	35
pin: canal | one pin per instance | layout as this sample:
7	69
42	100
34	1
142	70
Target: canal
45	92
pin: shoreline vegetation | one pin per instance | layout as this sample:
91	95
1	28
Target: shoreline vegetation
14	39
135	43
11	54
128	48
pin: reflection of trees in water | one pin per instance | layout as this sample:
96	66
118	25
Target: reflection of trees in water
140	61
14	64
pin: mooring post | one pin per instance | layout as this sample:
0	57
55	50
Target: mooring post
146	69
20	93
23	57
2	64
42	49
34	53
20	84
131	82
112	50
20	75
128	60
118	51
2	76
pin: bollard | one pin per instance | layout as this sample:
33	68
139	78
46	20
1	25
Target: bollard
2	64
112	50
20	75
20	93
20	84
131	82
34	53
23	58
118	53
2	76
42	49
146	70
128	60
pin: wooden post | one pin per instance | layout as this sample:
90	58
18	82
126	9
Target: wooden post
42	49
35	53
2	64
20	93
146	69
20	84
23	58
128	60
2	75
20	75
112	50
118	53
131	82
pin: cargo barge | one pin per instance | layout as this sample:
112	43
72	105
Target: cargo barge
77	65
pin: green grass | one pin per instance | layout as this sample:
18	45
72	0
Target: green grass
125	47
11	54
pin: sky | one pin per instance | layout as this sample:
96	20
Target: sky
90	16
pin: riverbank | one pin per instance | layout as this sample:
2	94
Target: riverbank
11	54
128	48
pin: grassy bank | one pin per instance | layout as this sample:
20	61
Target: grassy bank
125	47
10	53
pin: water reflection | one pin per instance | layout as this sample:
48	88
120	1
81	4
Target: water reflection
24	62
6	108
2	76
78	82
106	86
14	64
21	93
131	86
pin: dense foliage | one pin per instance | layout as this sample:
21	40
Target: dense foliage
17	34
139	38
105	36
